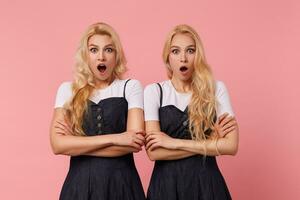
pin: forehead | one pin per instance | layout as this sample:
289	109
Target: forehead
100	40
182	40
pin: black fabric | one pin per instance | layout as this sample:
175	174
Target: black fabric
161	97
103	178
191	178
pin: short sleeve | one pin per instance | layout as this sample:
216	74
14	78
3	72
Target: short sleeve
64	93
223	100
151	102
134	94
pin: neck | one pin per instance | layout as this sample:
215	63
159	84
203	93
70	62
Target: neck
180	85
105	83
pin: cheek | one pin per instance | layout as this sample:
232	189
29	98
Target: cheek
191	58
173	60
91	58
92	62
111	59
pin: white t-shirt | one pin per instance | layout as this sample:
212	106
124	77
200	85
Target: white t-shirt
179	100
133	93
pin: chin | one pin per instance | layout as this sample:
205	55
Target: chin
103	78
186	78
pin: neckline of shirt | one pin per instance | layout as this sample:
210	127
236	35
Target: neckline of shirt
109	86
178	93
97	92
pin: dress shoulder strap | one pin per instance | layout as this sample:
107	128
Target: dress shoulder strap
125	87
161	94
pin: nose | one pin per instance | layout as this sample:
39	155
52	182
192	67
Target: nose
101	56
183	57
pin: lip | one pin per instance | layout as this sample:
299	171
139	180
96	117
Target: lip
183	69
102	68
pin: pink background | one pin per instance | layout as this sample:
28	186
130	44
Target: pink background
251	46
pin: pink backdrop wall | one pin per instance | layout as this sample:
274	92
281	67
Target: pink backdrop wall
251	46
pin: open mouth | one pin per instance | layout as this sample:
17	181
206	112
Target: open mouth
101	68
183	68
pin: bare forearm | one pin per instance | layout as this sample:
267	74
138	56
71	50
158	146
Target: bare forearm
78	145
162	153
167	154
112	151
225	146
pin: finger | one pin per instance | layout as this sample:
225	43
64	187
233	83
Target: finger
224	133
150	138
61	122
65	125
148	134
61	128
153	137
67	121
140	147
149	144
154	146
133	149
225	121
148	141
147	138
229	125
229	130
223	116
141	137
57	131
138	141
136	146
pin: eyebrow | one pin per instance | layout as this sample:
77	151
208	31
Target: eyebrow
174	46
94	45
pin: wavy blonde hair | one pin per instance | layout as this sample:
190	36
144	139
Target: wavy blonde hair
84	81
202	107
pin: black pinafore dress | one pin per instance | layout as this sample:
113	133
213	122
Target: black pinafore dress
103	178
191	178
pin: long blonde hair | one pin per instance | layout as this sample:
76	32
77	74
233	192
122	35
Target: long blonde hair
84	83
202	107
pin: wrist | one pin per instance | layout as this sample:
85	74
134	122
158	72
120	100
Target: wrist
116	139
177	144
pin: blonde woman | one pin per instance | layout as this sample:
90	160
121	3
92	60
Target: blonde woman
98	122
189	121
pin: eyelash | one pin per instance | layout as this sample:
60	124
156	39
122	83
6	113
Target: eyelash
108	50
175	51
93	50
190	51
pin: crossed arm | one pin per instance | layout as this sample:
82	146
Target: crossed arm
160	146
64	142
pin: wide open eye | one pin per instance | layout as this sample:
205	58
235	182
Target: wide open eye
190	50
93	50
175	51
109	50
